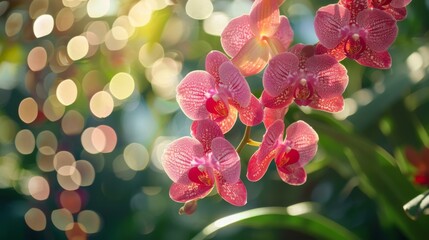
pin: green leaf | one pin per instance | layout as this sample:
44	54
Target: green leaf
418	205
299	217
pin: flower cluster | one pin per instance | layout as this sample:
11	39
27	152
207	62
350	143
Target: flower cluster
307	75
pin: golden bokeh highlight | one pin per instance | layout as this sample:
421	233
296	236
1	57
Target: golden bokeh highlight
25	141
38	187
216	23
64	19
165	76
14	24
87	172
99	29
53	109
62	219
97	8
101	104
67	92
35	219
199	9
37	8
43	25
70	182
45	162
72	123
149	53
72	3
37	59
108	137
90	220
76	232
121	169
136	156
122	28
64	163
77	48
122	85
47	142
28	110
140	14
114	44
86	140
71	201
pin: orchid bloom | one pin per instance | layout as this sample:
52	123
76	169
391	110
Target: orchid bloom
351	29
396	8
196	164
218	94
420	160
317	81
251	40
290	154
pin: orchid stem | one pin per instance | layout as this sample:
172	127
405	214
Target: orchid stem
247	140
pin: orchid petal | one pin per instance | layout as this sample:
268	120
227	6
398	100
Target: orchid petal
253	57
369	58
265	17
281	101
332	78
234	193
277	76
251	115
332	105
329	22
293	176
271	139
258	166
284	33
381	28
338	52
228	122
398	13
186	192
191	94
399	3
271	115
177	158
205	131
303	139
236	34
213	61
228	158
234	83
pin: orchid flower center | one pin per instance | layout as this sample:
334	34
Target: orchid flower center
201	169
216	105
354	46
200	175
288	157
381	3
303	92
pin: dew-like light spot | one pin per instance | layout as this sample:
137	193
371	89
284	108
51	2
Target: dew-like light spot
121	169
72	3
122	28
101	104
136	156
46	142
199	9
165	77
53	109
35	219
45	162
38	188
122	85
86	171
71	201
97	8
76	232
77	47
72	123
114	44
64	163
28	110
14	24
25	141
149	53
64	20
67	92
43	25
4	5
216	23
110	137
100	29
98	139
90	220
140	14
86	140
37	8
62	219
70	182
37	59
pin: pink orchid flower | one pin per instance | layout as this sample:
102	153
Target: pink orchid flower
351	29
218	94
317	81
196	164
396	8
290	154
251	40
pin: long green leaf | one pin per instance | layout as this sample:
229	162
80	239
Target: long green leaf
299	217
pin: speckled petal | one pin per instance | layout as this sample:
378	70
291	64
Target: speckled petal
284	33
332	105
277	76
265	17
253	57
234	193
191	94
213	61
236	34
381	28
272	114
234	84
251	115
294	176
399	3
229	160
186	192
381	60
281	101
258	166
228	122
205	131
304	139
178	155
398	13
338	52
329	22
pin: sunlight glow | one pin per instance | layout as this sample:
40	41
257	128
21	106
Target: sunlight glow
43	25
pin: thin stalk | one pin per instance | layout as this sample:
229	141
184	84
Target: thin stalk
247	140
